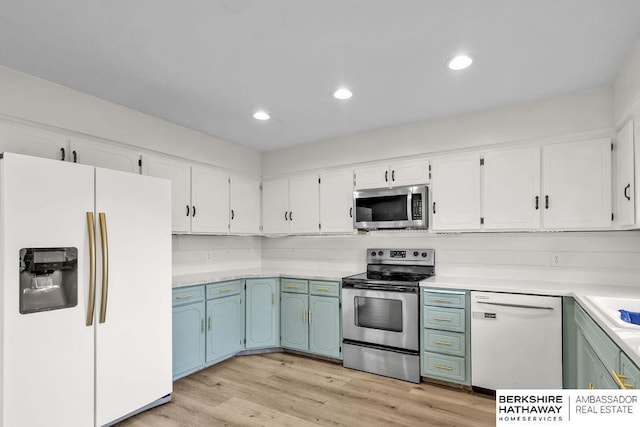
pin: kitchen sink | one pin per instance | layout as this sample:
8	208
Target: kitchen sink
609	306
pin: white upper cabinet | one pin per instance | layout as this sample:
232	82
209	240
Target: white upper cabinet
406	172
16	138
245	205
624	182
455	189
179	173
103	155
275	206
209	200
511	189
336	202
291	206
576	183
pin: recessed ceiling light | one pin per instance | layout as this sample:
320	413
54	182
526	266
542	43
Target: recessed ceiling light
459	62
261	115
342	93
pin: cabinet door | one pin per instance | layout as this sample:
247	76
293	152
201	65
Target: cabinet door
209	200
586	364
262	312
188	338
577	185
511	191
245	205
179	173
294	330
20	139
336	202
410	172
104	155
324	326
372	177
304	204
456	193
624	188
275	206
224	328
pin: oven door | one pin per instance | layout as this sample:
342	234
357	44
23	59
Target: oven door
379	317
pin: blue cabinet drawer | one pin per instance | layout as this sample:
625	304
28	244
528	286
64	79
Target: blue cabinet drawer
331	289
454	299
187	295
447	319
450	368
294	285
224	289
452	343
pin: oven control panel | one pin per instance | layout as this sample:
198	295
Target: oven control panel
401	256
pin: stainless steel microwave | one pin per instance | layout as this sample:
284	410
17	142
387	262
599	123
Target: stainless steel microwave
399	207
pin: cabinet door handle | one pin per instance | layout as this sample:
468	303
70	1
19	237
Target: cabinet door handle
546	202
285	215
309	314
290	216
187	210
202	325
193	208
627	188
232	214
620	380
273	298
62	153
304	316
386	176
351	212
434	208
393	175
591	386
75	156
537	202
209	322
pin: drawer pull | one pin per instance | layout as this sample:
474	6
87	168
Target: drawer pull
322	288
445	368
229	289
442	319
292	287
443	300
443	343
591	386
620	380
184	296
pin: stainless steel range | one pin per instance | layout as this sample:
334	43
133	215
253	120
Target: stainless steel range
380	313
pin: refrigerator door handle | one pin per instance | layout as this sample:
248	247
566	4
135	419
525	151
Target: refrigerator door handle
92	268
105	267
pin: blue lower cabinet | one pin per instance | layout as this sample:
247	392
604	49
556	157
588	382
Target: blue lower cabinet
224	328
188	331
294	309
324	326
262	313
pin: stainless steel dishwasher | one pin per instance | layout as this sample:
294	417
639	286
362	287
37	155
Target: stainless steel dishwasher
516	341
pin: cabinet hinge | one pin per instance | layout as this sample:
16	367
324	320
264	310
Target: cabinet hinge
340	305
612	146
612	216
481	220
229	180
340	349
244	341
140	162
318	180
260	186
481	162
319	226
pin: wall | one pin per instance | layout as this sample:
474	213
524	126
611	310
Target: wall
35	100
595	257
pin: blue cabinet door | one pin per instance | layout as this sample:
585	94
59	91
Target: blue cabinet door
324	326
188	338
224	328
262	313
294	329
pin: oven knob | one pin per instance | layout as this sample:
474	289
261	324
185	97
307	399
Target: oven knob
373	253
424	254
380	253
415	253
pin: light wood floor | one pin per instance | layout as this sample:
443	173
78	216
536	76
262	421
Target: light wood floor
280	389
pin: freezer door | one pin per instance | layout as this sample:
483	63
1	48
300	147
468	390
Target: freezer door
47	349
133	304
516	341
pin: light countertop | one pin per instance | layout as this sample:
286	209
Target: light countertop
626	337
223	275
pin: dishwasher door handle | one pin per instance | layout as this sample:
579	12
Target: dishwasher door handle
503	304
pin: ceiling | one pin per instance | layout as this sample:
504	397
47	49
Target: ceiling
210	64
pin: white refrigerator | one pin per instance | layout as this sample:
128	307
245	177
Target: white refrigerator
85	317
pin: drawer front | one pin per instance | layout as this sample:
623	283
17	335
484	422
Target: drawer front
452	343
224	289
331	289
447	319
452	299
294	285
451	368
607	351
187	295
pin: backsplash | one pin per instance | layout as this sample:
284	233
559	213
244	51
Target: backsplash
594	257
